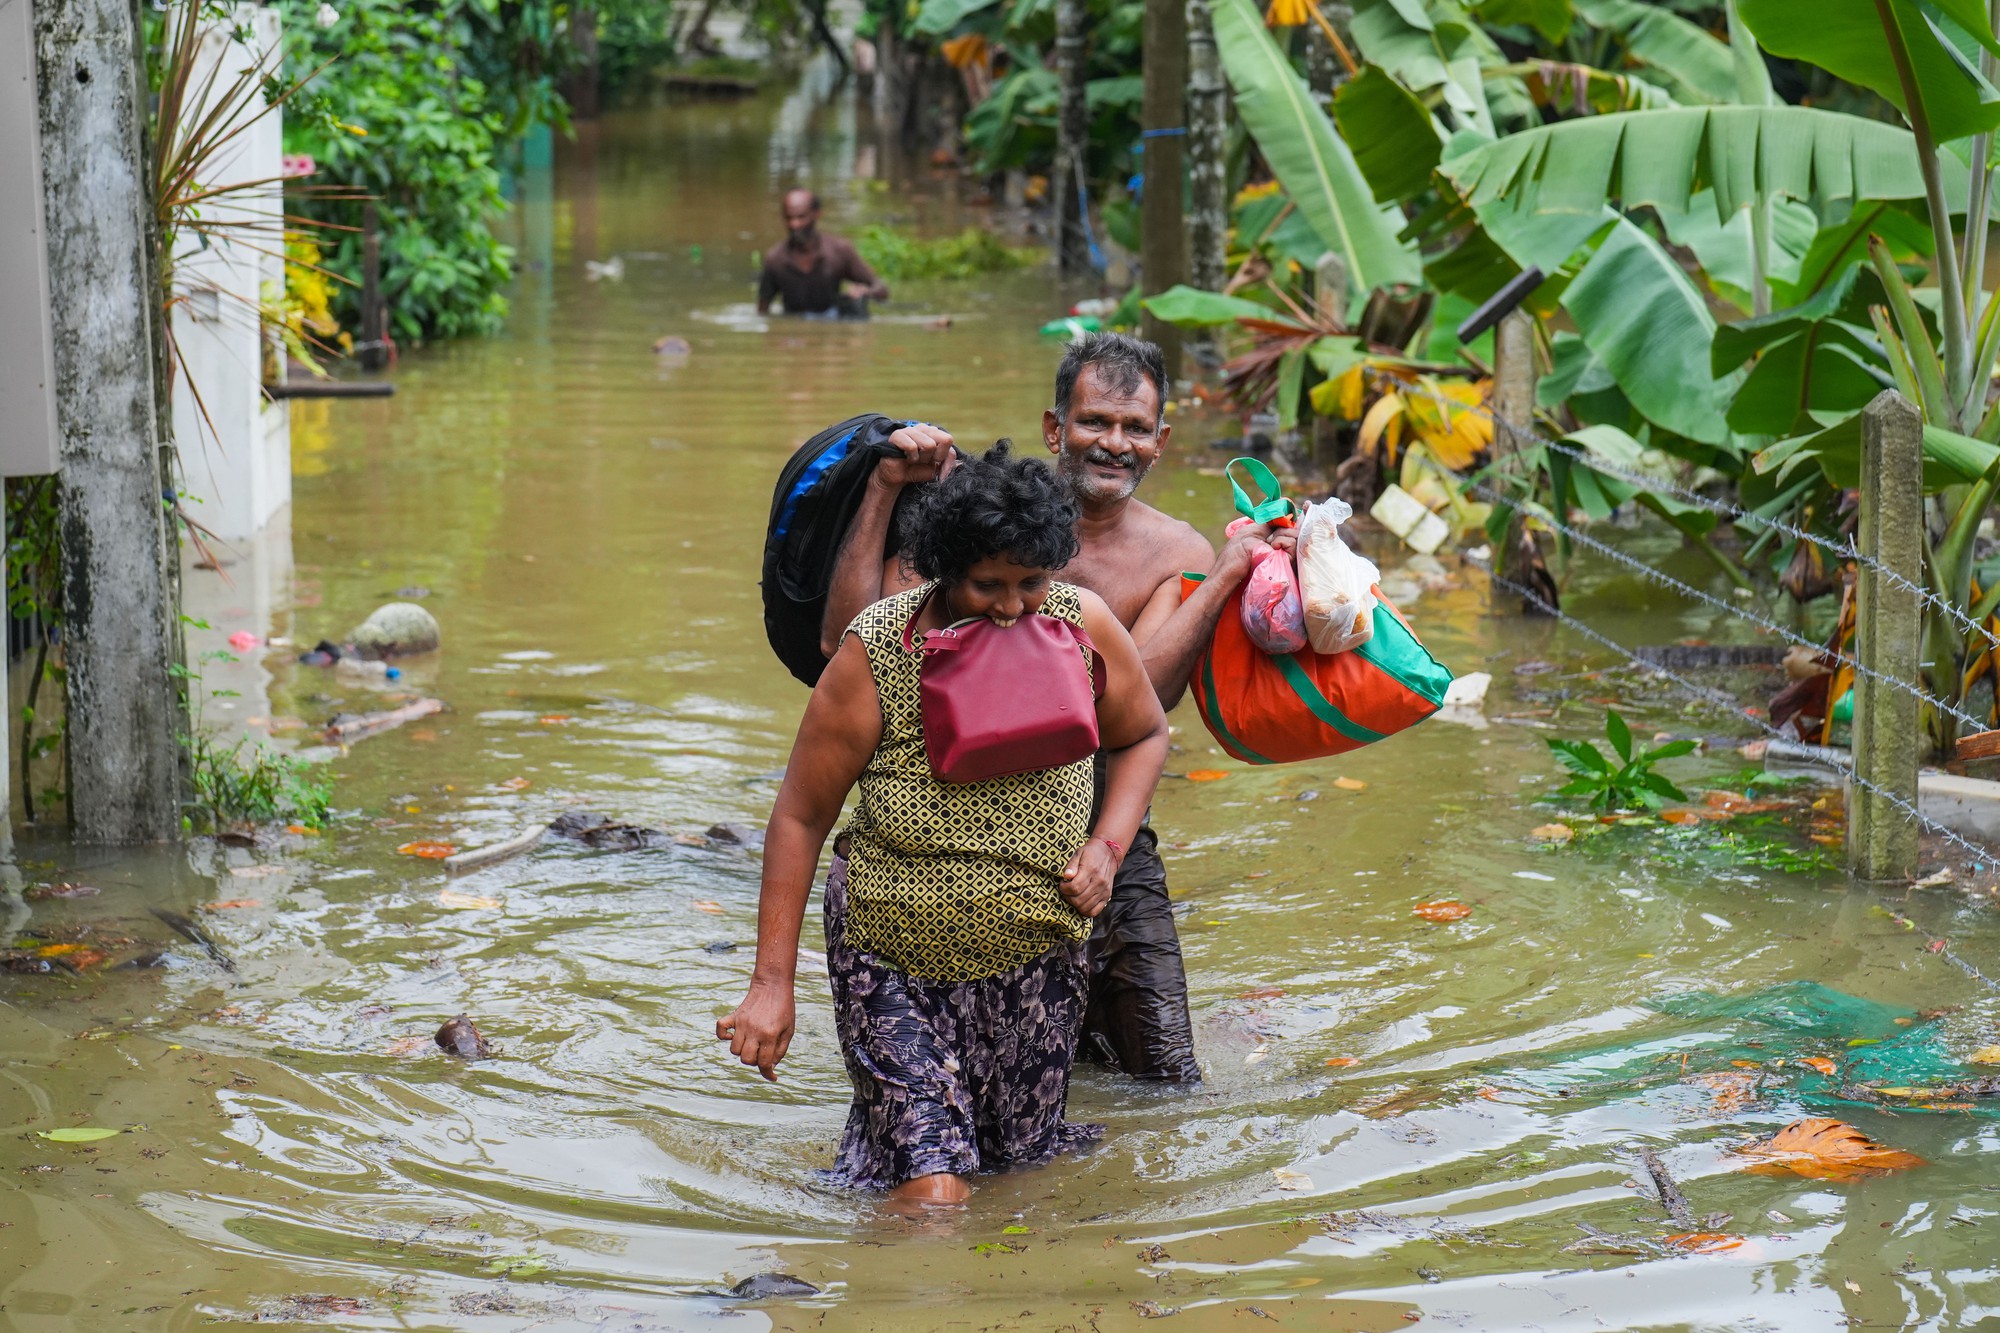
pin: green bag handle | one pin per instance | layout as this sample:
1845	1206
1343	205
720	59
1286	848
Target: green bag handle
1261	511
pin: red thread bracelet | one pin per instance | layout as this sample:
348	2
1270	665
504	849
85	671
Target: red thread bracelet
1116	850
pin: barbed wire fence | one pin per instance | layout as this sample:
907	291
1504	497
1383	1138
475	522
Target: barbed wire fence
1844	550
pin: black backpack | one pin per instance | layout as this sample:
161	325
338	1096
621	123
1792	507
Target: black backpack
817	494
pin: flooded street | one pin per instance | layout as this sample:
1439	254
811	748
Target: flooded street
1402	1119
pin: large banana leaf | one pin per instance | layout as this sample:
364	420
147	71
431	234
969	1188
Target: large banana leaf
1726	248
1642	317
1858	41
1309	159
937	17
1395	142
1550	18
1840	246
1694	65
1192	308
1433	44
1744	154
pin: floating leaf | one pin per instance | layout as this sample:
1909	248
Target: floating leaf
1680	816
1206	775
430	851
408	1046
1702	1242
1350	784
79	1134
1017	1231
1819	1063
1552	833
1442	911
702	905
56	950
1342	1062
1823	1149
230	904
554	719
516	784
453	898
1985	1055
1291	1180
1261	993
1733	1089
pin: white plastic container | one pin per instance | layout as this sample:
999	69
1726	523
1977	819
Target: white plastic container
1403	514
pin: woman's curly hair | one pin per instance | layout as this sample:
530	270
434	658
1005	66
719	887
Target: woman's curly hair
996	505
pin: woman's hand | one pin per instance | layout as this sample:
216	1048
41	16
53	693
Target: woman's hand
1086	880
759	1031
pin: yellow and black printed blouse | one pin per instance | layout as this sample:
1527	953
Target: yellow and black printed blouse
956	881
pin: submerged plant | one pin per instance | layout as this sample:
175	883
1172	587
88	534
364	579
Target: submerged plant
1628	784
974	251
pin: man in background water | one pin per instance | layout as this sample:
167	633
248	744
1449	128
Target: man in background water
814	273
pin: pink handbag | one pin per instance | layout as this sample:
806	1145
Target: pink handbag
996	701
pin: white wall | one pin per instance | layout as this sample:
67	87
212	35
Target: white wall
235	446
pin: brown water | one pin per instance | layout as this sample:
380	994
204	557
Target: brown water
585	518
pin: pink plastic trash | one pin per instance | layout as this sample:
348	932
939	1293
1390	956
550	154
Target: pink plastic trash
1274	616
243	641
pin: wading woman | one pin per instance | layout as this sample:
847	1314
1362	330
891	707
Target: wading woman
955	922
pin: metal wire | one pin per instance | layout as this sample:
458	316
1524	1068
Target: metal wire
1941	945
1845	549
1768	625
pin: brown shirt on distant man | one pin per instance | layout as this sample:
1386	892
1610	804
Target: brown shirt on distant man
816	288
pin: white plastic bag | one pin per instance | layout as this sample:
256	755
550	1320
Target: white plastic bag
1337	585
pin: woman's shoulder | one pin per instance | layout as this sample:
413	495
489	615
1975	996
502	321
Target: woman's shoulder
885	618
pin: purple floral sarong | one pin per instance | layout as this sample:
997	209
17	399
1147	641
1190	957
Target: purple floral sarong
952	1077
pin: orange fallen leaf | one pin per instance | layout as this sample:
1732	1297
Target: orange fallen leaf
553	719
1442	911
1350	784
517	784
1702	1242
1819	1063
1262	993
423	735
1733	1089
1552	833
1680	817
302	830
1746	1064
453	898
1206	774
227	904
1823	1149
1342	1062
1828	839
76	955
1740	805
57	950
702	905
430	851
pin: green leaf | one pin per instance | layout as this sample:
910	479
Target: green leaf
1550	18
1725	245
1618	733
1663	158
1312	162
1644	320
1848	38
1671	750
1950	459
1424	53
1395	142
1690	61
1291	381
1657	785
79	1134
938	17
1580	757
1191	308
1842	246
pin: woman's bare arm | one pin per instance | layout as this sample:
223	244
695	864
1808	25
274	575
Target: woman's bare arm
839	733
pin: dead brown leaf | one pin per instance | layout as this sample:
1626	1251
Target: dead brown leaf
1733	1089
1347	784
1702	1242
1818	1063
1442	911
1824	1149
1552	833
231	903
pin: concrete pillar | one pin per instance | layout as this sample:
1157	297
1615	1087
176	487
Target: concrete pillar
125	715
1882	838
1513	406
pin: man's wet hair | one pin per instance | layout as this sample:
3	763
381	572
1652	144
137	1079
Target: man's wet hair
1121	362
995	505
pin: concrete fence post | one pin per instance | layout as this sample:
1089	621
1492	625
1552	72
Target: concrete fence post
1882	838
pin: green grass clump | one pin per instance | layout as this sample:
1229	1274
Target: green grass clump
973	252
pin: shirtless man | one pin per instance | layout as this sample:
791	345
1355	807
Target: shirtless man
1106	430
814	272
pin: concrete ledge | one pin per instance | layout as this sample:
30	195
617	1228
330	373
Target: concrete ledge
1969	807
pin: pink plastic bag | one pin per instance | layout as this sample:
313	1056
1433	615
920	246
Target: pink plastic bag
1274	615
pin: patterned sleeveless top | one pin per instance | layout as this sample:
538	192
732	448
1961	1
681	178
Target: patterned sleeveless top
956	881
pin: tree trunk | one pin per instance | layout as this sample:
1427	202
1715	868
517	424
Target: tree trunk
1066	185
1163	239
580	87
1207	147
126	715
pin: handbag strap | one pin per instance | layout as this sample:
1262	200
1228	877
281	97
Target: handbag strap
1274	505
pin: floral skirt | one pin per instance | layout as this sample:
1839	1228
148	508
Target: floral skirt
952	1077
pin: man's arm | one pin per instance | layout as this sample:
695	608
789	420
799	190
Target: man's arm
767	290
860	274
1172	633
861	577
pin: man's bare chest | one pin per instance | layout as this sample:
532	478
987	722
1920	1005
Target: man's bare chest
1125	579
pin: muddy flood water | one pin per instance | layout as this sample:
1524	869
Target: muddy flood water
1402	1121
